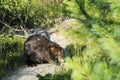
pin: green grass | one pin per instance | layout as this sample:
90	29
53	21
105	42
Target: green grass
66	75
11	53
99	60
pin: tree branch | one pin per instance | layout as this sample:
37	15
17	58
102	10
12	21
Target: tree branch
14	29
6	25
22	26
2	30
21	36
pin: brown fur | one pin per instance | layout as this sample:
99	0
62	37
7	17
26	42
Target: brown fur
38	49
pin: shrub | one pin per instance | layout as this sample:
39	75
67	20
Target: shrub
58	76
98	60
32	12
98	23
11	54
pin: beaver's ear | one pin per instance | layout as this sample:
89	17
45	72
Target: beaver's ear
53	51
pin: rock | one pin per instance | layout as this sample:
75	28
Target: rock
29	73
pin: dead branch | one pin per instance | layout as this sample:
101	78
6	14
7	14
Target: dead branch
6	25
21	36
14	29
22	26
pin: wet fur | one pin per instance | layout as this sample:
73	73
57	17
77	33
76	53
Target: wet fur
38	49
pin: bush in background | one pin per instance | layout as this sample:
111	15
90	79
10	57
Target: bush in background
30	13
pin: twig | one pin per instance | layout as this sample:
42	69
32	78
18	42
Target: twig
21	36
2	30
6	25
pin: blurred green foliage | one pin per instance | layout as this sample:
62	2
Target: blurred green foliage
98	30
64	75
11	53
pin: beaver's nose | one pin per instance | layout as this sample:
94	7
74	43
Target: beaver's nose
62	63
60	59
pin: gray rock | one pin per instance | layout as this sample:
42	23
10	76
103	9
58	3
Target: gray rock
29	73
